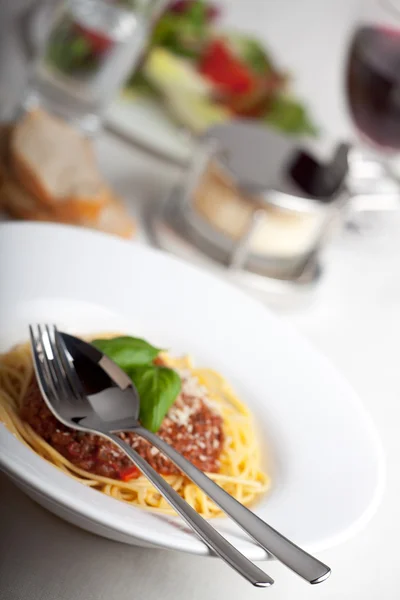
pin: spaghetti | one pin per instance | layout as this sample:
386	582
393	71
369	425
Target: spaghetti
239	467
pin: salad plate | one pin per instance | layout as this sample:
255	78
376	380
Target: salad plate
196	74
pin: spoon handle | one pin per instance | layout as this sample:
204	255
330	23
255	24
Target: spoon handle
204	530
268	538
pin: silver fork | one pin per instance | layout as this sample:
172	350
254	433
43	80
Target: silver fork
63	395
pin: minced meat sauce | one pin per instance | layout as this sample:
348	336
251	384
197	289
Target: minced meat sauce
192	426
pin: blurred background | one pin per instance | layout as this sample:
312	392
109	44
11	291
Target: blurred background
275	124
287	28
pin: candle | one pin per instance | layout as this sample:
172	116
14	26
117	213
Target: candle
280	234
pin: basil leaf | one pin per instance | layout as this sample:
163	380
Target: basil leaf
127	352
158	388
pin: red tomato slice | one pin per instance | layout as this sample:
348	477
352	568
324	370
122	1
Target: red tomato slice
129	473
221	66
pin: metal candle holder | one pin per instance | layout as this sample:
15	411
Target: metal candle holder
177	226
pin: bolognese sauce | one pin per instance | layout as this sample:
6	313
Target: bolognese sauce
192	426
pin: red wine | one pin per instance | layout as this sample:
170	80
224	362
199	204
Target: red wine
373	84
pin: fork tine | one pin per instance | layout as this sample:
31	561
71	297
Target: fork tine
48	361
57	373
36	360
55	364
67	367
41	365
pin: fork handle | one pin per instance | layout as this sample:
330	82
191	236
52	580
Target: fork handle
204	530
302	563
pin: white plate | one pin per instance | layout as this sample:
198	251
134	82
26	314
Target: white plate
144	121
320	445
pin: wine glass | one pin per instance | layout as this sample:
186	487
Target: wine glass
373	89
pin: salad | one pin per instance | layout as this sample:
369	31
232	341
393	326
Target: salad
201	75
204	75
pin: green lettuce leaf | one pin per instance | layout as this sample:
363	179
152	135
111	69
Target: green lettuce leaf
251	52
290	116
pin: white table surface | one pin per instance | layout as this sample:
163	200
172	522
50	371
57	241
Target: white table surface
354	320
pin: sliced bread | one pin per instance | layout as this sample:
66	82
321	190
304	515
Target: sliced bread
114	219
57	164
20	204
